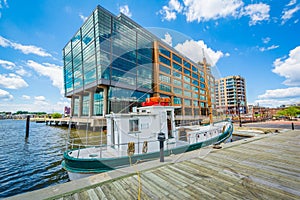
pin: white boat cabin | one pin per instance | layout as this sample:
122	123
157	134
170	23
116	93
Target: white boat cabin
140	127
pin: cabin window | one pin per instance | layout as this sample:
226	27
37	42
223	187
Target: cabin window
133	125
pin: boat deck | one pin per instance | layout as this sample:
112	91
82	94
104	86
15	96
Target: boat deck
110	152
262	167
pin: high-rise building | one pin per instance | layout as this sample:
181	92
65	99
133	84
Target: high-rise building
112	64
231	95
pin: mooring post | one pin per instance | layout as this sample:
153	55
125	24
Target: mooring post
293	126
27	126
161	138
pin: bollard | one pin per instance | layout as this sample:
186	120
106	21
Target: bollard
293	126
27	126
161	138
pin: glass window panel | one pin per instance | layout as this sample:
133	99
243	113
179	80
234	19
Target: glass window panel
176	74
76	39
133	125
187	72
187	64
177	82
164	78
177	67
187	86
98	104
177	90
194	69
85	105
164	69
177	58
187	102
195	76
164	51
164	87
123	77
186	79
195	82
177	100
76	106
187	93
164	60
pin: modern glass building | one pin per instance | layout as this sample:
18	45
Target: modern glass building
112	64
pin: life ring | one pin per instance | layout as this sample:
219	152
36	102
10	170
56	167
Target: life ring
145	147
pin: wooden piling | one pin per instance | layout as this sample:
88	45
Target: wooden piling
27	126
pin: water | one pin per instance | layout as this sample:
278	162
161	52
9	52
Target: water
33	163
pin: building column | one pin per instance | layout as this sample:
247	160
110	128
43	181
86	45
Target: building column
105	102
91	104
72	106
80	105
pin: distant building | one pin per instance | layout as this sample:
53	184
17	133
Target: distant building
112	64
231	95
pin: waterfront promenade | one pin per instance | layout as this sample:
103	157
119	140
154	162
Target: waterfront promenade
263	167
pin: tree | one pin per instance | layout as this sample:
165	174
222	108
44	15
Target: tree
56	115
291	111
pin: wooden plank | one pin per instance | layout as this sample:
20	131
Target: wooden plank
100	193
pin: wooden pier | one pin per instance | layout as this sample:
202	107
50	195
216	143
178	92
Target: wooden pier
262	167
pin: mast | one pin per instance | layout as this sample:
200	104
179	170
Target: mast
207	89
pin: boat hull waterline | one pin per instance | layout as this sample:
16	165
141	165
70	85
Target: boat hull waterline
81	167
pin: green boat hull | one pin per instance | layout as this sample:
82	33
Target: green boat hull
99	165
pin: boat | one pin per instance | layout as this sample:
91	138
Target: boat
146	134
135	137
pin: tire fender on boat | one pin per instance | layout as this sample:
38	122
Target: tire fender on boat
145	147
131	148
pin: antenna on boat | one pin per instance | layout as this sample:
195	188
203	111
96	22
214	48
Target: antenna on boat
207	89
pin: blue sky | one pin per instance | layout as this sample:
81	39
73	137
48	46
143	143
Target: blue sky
258	40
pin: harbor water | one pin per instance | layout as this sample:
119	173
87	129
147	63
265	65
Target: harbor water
32	163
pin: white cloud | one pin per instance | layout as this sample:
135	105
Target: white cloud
3	4
257	12
288	14
82	17
7	64
12	81
266	40
125	10
4	95
202	10
26	97
167	39
26	49
193	50
289	67
54	72
39	98
291	92
292	2
273	103
262	49
169	12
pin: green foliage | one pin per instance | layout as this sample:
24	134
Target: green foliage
56	115
291	111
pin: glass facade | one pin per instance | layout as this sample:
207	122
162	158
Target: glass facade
111	63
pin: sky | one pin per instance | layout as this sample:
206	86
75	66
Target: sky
258	40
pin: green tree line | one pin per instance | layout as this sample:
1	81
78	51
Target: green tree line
291	111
